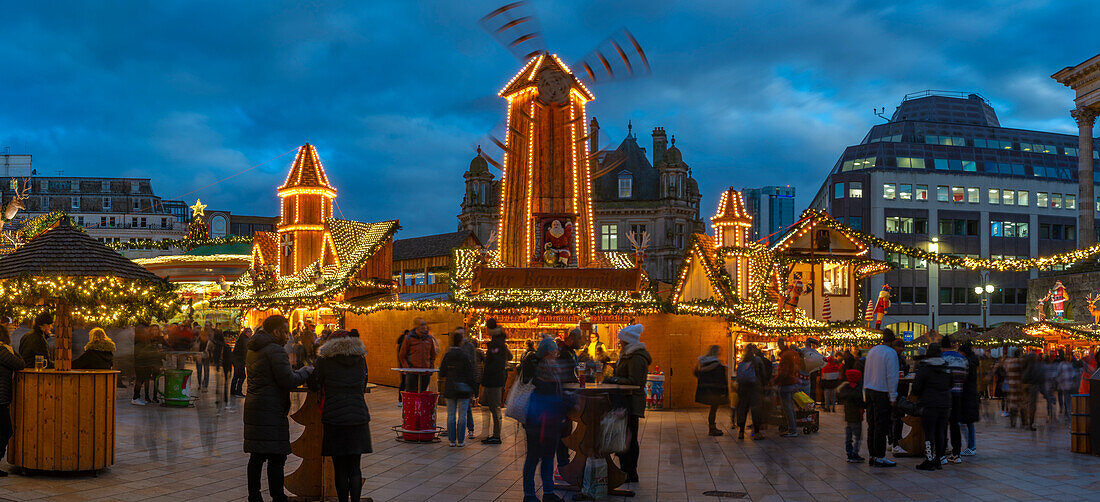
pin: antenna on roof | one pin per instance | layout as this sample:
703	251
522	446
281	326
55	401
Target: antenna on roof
881	113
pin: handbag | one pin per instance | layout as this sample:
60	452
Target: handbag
518	399
594	484
614	432
803	400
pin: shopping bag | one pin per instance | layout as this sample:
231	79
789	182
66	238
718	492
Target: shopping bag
803	400
614	433
594	485
518	398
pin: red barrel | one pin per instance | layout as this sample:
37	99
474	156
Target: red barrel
418	414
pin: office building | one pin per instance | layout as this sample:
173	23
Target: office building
772	210
943	174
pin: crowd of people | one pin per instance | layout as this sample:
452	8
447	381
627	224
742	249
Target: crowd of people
942	383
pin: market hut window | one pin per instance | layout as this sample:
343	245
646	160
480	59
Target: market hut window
836	278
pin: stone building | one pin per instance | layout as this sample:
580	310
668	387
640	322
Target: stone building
633	192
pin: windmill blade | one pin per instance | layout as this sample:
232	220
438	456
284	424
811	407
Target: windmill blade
515	27
619	57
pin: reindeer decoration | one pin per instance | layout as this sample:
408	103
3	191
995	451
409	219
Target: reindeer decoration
13	206
483	256
1093	309
639	243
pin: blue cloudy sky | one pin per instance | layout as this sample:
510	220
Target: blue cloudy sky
396	95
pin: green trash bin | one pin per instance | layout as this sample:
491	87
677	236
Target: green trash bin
172	387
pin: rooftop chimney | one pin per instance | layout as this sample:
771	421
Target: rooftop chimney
594	135
659	144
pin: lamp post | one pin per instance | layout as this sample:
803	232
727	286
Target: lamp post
984	291
933	282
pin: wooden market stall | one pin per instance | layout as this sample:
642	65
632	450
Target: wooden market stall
64	419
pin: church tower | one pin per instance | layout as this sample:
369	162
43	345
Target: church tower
306	201
479	207
546	214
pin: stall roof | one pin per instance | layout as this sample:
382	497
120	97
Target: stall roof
65	250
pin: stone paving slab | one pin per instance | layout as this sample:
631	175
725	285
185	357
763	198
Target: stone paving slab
195	454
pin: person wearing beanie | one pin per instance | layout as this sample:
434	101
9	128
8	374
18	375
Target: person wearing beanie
494	376
543	424
34	342
632	369
99	352
456	371
850	394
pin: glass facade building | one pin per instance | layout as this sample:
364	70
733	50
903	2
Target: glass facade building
943	172
772	210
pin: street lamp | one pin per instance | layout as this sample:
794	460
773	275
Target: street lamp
984	291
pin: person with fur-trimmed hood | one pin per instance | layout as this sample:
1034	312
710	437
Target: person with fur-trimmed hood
632	369
99	352
341	377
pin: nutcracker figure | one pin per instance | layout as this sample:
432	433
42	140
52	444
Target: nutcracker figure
882	305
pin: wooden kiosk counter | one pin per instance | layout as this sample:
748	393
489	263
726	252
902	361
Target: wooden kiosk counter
64	420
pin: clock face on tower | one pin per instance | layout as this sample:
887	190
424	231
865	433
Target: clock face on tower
553	86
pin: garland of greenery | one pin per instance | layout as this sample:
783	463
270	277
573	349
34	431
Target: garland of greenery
179	243
106	301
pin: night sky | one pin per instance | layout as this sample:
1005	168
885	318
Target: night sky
397	95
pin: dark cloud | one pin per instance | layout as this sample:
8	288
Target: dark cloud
396	95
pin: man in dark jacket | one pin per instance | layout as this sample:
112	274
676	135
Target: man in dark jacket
34	342
495	375
632	369
932	386
9	364
266	429
240	353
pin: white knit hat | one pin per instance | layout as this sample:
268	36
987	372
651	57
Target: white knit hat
631	334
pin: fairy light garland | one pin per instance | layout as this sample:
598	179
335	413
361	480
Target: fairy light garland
108	301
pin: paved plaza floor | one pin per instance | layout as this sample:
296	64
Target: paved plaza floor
195	455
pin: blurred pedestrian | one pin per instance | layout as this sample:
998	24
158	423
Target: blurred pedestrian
545	413
850	394
632	369
10	363
240	352
711	388
495	375
932	387
751	379
457	370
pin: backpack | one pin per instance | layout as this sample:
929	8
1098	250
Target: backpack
746	372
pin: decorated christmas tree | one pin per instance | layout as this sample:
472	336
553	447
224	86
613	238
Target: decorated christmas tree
197	229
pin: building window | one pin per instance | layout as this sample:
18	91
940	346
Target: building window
838	192
889	191
910	163
921	192
133	222
1021	197
80	221
106	203
143	223
1040	199
1071	201
102	221
137	204
626	184
134	187
609	237
638	231
994	196
958	194
111	222
855	190
1056	201
973	195
1009	197
680	236
164	223
75	202
905	192
857	164
943	193
106	186
856	222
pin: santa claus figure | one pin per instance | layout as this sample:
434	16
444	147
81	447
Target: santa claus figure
882	305
1057	297
557	243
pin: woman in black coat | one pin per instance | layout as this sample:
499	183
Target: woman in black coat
10	362
341	377
266	429
495	376
711	388
932	386
99	352
458	370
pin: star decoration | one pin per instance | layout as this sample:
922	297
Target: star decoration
198	207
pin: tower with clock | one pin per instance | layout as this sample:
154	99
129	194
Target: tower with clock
546	214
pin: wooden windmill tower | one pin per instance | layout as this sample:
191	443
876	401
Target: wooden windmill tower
546	215
306	201
546	187
732	224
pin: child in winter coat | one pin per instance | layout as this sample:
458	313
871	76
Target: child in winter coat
850	393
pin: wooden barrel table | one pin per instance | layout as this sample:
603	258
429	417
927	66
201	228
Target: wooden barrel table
64	420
